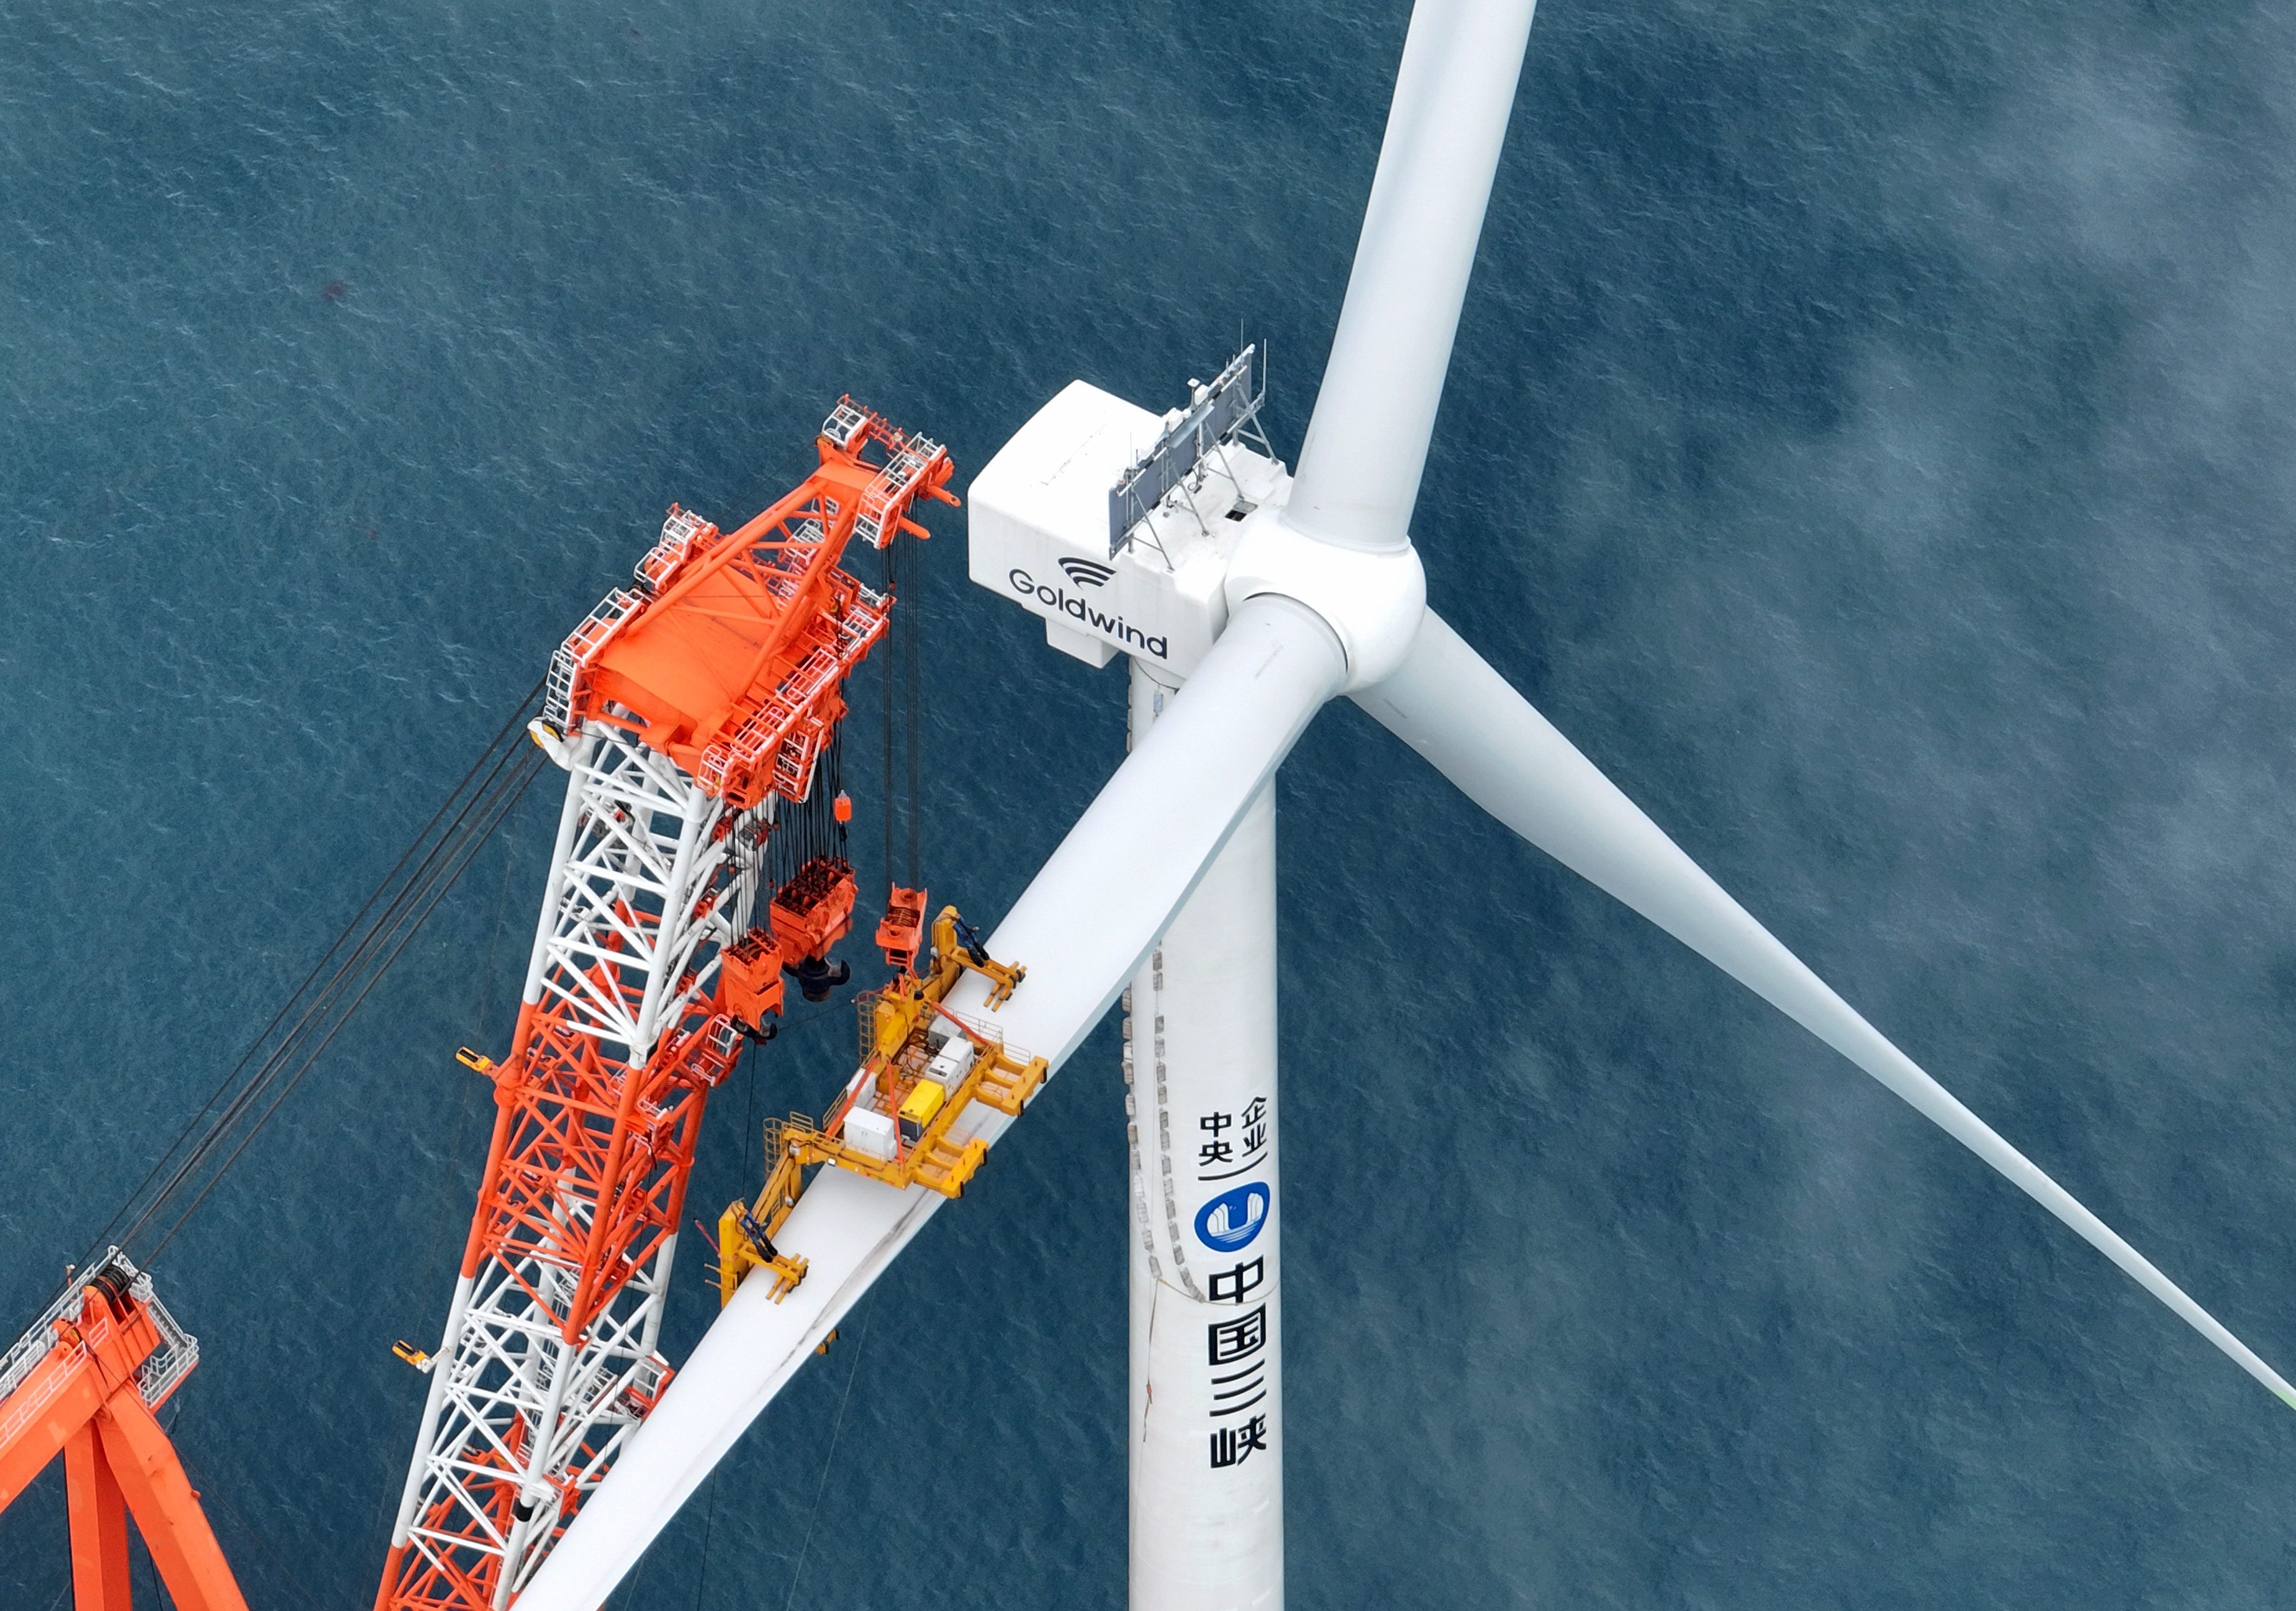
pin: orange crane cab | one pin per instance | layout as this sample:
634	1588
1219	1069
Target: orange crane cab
749	981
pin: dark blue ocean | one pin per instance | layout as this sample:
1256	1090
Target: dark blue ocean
1871	437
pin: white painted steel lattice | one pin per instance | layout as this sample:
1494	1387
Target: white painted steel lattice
550	1357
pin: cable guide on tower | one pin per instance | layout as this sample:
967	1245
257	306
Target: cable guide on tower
897	1119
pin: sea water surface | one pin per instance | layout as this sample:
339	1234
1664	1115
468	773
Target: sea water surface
1869	437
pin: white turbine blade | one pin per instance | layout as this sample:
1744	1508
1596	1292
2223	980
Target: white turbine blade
1082	928
1448	704
1366	441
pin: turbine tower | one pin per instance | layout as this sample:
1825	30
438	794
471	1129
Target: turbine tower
1295	591
1204	1426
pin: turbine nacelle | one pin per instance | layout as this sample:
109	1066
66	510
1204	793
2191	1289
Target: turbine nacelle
1039	533
1225	533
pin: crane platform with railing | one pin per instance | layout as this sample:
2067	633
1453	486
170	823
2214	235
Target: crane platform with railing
84	1383
901	1119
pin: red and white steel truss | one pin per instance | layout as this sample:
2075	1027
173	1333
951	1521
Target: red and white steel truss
550	1357
688	713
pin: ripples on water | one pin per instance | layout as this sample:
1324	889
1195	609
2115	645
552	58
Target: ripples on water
1868	438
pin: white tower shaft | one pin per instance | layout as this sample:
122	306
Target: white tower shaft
1207	1366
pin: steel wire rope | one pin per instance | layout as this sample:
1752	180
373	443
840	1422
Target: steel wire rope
405	939
448	844
422	898
893	593
912	632
103	1237
413	894
429	885
708	1527
510	796
442	1224
829	1461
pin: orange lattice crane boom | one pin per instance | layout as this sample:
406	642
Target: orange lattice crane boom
698	857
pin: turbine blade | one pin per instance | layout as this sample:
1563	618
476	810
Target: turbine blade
1448	704
1082	928
1366	442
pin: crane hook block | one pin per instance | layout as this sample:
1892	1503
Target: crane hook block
902	933
749	978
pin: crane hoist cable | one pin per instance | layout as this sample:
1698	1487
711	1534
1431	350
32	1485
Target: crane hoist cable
904	713
912	631
901	932
386	937
456	812
417	912
892	590
471	812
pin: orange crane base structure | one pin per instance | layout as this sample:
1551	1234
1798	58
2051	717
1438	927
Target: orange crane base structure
83	1383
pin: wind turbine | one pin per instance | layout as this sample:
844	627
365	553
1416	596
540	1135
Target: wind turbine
1164	887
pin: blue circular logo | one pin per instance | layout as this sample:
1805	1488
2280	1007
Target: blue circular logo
1231	1220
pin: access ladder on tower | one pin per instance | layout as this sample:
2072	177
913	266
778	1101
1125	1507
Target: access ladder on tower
698	857
84	1383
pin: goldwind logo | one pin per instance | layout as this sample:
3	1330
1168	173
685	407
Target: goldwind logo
1087	573
1063	602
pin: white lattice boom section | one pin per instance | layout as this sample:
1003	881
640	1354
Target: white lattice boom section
549	1356
692	712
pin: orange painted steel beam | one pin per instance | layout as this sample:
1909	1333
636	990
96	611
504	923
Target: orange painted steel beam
84	1400
166	1506
90	1360
99	1526
734	667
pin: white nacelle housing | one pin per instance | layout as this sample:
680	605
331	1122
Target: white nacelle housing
1039	533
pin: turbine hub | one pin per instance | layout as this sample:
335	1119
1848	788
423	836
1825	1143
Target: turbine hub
1372	599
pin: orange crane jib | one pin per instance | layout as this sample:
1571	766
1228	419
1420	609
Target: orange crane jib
83	1384
730	654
